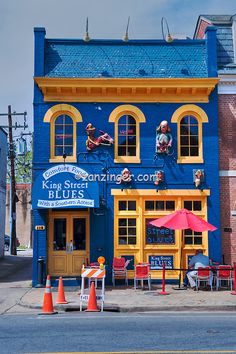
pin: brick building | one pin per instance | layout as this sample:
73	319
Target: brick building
226	62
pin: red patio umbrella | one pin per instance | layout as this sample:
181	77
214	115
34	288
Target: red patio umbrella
181	220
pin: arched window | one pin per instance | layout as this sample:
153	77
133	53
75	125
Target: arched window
127	119
189	119
62	119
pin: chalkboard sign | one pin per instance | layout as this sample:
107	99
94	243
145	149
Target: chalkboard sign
131	264
159	235
156	262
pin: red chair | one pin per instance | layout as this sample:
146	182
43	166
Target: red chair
224	274
142	272
204	275
119	269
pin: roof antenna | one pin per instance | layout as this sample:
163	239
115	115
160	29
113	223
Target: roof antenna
126	36
167	37
86	37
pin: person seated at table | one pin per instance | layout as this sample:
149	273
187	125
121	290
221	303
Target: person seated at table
185	281
199	260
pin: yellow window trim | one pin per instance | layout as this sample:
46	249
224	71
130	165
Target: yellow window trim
201	117
168	193
50	117
139	117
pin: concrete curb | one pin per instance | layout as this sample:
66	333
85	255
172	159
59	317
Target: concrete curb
116	308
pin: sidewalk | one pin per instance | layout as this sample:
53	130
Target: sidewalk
123	299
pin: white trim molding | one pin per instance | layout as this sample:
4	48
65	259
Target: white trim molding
227	84
227	173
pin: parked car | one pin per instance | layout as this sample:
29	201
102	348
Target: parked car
7	243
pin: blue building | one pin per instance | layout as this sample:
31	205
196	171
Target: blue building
125	132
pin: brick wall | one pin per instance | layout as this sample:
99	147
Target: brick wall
201	30
227	144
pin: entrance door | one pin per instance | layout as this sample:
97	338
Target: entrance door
68	243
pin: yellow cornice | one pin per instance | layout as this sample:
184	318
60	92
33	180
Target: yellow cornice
170	192
126	90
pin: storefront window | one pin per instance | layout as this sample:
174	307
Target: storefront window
159	205
193	205
192	237
127	231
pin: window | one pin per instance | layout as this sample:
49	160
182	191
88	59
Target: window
193	205
127	231
62	119
189	119
127	119
189	145
125	205
63	143
127	136
192	237
159	205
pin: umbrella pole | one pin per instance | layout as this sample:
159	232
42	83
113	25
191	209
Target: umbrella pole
180	260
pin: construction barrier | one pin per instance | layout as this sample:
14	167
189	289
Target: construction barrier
93	275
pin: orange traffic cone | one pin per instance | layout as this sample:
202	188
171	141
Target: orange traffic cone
61	295
47	300
92	302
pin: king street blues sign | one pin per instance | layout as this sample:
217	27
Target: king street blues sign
65	186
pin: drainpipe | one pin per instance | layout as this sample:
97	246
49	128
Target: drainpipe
211	46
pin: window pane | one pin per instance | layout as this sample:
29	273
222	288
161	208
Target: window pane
132	222
188	240
184	120
188	232
131	140
79	230
132	240
122	222
160	205
184	140
197	240
192	120
194	130
59	238
122	231
131	120
121	140
121	151
68	120
197	205
122	205
193	151
58	151
149	205
131	151
184	130
68	150
188	205
132	231
122	240
184	151
193	140
59	120
122	120
170	205
131	205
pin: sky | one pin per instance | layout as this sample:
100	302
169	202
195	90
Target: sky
67	19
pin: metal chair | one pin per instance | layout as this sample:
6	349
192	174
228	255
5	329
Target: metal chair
119	269
204	275
142	272
224	274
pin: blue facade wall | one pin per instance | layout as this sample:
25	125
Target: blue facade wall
177	176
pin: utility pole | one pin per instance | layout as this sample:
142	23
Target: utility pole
13	196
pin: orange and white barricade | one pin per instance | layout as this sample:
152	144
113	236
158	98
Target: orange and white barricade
92	274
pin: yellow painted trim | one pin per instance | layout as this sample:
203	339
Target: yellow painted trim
167	192
127	109
50	117
139	117
62	109
126	90
189	109
200	115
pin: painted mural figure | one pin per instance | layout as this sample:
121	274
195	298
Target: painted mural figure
159	177
199	174
92	142
163	138
125	177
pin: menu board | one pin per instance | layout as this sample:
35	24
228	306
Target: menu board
159	235
156	262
